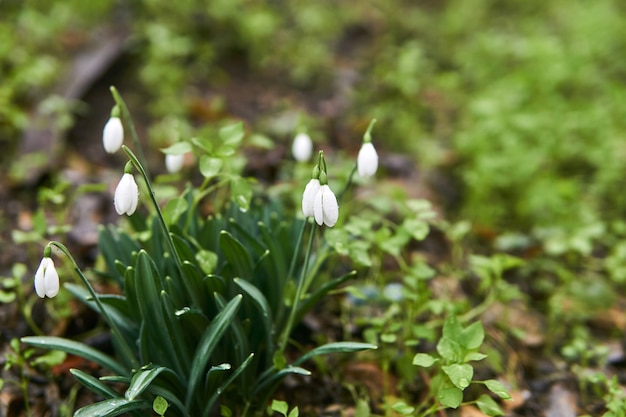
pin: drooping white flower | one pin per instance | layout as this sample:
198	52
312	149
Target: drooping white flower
113	135
325	207
367	160
308	197
126	195
302	147
46	279
174	163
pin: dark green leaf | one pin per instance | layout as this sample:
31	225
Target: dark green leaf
337	347
95	385
237	255
141	380
112	407
209	340
75	348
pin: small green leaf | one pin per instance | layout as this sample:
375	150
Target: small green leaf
452	329
294	412
388	338
403	408
210	167
497	388
160	405
52	358
424	360
474	356
417	228
449	350
174	209
460	374
241	193
232	135
207	260
280	407
177	148
472	336
487	405
450	397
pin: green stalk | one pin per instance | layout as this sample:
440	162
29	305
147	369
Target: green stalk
299	289
129	121
348	184
126	350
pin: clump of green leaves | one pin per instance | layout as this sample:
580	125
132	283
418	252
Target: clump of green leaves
207	303
457	348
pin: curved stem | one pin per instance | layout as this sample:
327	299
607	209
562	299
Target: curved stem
129	121
348	184
126	350
299	290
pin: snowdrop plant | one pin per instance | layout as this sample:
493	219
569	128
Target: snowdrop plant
207	303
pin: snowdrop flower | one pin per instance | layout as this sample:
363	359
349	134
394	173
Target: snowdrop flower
174	163
302	147
126	194
310	191
367	160
113	133
325	207
46	277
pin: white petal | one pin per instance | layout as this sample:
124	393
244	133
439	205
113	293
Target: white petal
39	278
367	160
302	147
330	207
113	135
308	196
318	210
174	163
51	280
126	195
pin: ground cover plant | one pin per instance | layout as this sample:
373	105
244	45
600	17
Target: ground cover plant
488	247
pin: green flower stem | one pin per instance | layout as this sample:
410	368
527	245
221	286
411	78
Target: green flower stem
117	334
348	184
129	121
299	290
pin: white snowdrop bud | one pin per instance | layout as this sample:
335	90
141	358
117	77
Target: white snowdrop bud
308	197
325	207
174	163
302	147
367	160
46	279
126	195
113	135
